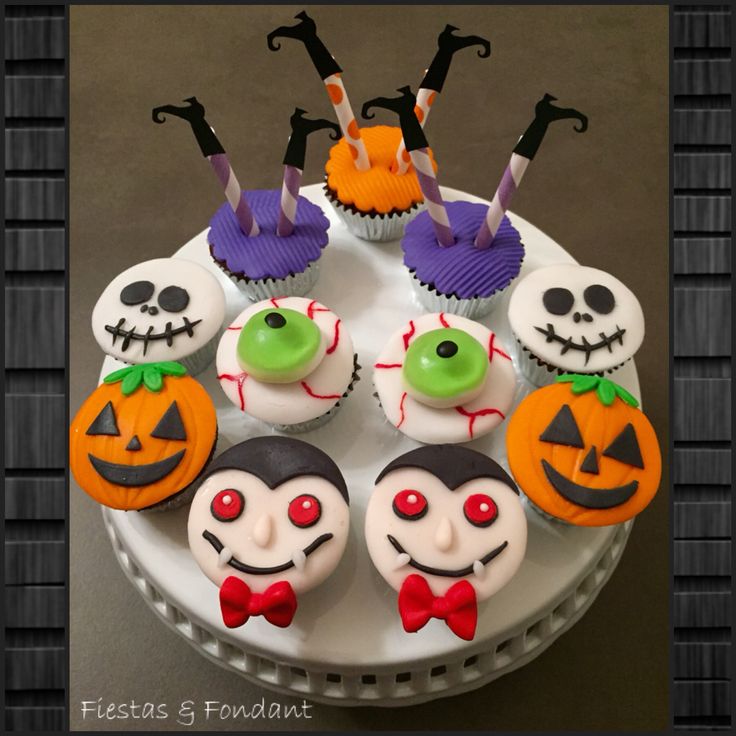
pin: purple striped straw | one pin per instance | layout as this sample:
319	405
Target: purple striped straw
289	198
234	194
432	197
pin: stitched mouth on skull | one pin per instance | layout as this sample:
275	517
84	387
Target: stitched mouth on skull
167	334
606	341
298	559
476	567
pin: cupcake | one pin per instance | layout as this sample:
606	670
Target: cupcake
445	528
267	241
444	379
287	361
370	181
141	438
269	521
161	310
573	319
583	452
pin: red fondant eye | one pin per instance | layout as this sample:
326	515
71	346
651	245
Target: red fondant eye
480	510
304	511
227	505
410	505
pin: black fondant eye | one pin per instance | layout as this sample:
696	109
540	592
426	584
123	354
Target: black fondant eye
170	426
173	299
563	429
625	448
599	298
558	301
275	320
105	422
136	293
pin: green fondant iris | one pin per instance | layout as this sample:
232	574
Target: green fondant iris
279	346
445	367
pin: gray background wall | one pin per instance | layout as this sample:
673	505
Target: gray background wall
139	191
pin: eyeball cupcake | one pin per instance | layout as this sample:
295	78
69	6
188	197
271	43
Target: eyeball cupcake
141	438
574	319
445	528
166	309
269	522
288	362
583	452
444	379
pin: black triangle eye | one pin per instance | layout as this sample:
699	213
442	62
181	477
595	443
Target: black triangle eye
563	429
170	426
105	422
625	448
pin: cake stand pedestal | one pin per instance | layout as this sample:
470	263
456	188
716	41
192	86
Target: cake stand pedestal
346	645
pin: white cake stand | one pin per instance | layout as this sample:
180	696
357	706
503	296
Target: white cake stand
346	645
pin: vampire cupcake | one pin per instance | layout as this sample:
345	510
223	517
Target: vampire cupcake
445	528
573	319
444	379
462	256
141	438
287	361
583	451
269	522
267	241
371	182
166	309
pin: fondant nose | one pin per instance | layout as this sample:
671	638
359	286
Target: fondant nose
263	531
134	444
444	534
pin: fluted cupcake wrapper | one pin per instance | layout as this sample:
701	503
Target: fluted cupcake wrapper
257	290
433	301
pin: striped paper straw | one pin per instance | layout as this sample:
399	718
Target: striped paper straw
432	197
289	196
425	99
234	194
348	123
501	201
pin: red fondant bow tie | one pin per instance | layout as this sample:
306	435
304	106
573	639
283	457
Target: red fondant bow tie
277	604
457	608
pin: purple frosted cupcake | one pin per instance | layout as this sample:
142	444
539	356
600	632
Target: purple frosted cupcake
461	279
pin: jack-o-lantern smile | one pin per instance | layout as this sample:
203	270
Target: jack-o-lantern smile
142	436
583	451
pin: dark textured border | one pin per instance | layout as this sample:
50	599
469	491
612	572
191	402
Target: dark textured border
35	376
702	42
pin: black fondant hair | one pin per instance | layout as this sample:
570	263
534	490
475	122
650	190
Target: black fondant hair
275	460
452	464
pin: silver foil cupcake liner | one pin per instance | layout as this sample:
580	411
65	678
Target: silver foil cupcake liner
377	228
323	418
543	513
297	284
433	301
201	359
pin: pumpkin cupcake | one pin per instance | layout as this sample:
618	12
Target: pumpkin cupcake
583	452
142	437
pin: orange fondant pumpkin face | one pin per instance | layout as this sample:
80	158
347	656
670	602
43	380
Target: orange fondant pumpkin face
583	451
143	435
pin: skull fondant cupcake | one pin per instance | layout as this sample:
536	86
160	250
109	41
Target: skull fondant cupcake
444	378
287	361
445	528
583	452
574	319
159	310
269	522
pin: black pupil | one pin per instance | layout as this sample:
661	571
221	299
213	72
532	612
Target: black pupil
275	320
173	299
558	301
446	349
136	293
599	298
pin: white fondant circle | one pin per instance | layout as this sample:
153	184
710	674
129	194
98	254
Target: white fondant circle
206	306
528	315
453	424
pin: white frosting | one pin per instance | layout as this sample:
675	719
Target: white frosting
263	535
289	403
206	304
443	538
527	312
444	425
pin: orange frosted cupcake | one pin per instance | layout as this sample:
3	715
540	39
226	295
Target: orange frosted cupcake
377	203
